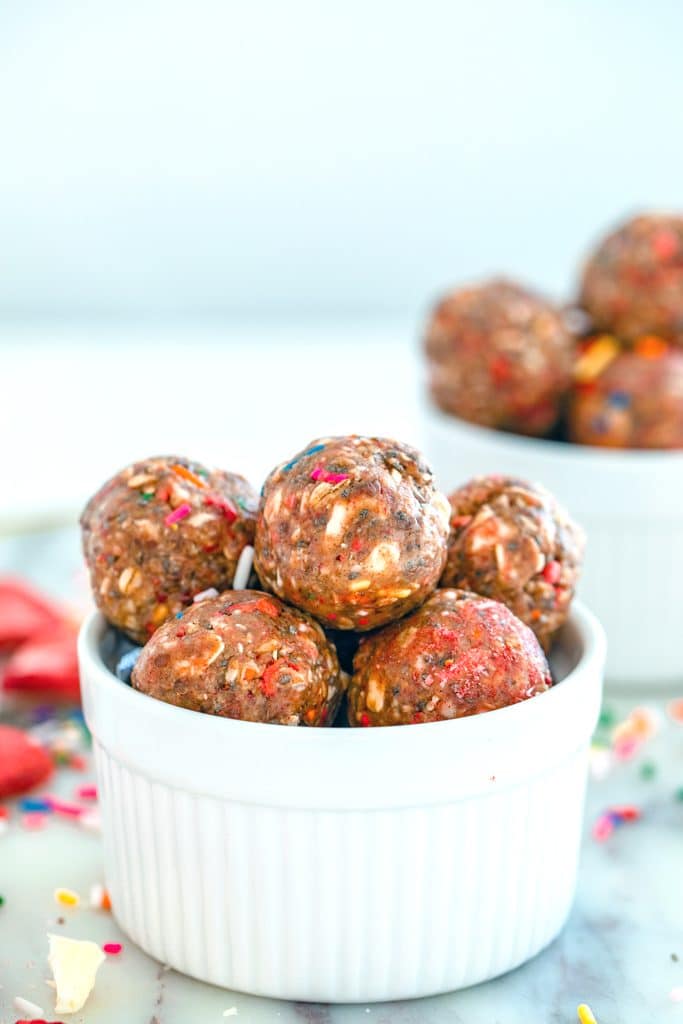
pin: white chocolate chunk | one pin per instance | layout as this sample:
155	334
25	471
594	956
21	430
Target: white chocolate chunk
336	520
74	965
383	554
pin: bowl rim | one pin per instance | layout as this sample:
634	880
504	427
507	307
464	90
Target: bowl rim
601	458
588	628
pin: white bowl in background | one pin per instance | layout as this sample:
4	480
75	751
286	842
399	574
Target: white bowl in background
630	503
344	865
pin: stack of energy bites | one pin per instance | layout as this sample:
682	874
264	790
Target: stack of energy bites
435	608
502	357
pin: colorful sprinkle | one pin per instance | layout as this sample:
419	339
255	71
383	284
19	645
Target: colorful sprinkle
329	478
552	572
651	347
33	821
66	897
224	505
204	595
675	710
112	948
34	805
177	514
87	792
188	475
648	770
63	808
26	1006
585	1014
595	358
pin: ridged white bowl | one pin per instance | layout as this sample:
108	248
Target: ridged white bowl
630	504
344	865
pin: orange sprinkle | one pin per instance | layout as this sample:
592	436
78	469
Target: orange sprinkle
106	901
187	474
675	709
651	347
595	358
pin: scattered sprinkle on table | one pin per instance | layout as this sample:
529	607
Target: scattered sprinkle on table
232	1012
585	1014
22	1005
648	770
87	793
66	897
112	948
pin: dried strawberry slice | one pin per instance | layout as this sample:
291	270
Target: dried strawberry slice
23	763
45	665
24	614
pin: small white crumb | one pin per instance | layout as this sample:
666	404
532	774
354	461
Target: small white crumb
243	568
27	1008
232	1012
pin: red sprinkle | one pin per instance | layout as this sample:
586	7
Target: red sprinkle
226	506
365	718
177	514
328	478
552	572
62	807
87	792
113	948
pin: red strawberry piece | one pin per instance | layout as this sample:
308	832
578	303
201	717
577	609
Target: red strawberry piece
46	665
23	763
23	614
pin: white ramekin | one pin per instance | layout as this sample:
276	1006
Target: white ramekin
343	865
630	504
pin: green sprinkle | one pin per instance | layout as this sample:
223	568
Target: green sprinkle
147	497
2	901
606	718
679	794
648	770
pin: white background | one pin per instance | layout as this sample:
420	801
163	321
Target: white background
307	158
221	222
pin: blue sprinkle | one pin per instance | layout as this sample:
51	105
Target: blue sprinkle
34	805
126	664
178	615
309	451
619	399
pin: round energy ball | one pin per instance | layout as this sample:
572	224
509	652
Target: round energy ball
631	399
512	541
633	283
499	356
353	531
459	654
246	655
161	532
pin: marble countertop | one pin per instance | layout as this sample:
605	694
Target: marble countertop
621	951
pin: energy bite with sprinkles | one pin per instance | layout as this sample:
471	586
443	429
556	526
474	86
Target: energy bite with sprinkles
628	398
353	531
161	532
633	282
246	655
457	655
511	541
499	356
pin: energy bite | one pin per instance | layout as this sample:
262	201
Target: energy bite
633	283
161	532
511	541
499	356
353	531
457	655
628	399
246	655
